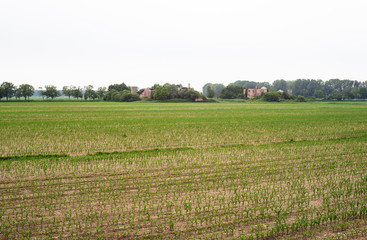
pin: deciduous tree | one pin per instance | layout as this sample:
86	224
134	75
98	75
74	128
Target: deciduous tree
89	92
280	85
172	90
363	92
26	90
77	92
101	92
210	92
232	92
2	92
160	93
67	91
51	92
318	93
9	89
271	96
118	87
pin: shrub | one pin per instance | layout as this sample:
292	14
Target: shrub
271	97
286	96
160	93
121	96
301	98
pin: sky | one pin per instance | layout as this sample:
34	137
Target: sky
141	42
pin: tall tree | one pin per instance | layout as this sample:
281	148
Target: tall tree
172	90
232	92
2	92
299	85
118	87
9	89
17	94
303	92
363	92
217	87
192	95
41	92
89	92
280	85
101	92
210	92
51	92
160	93
246	84
77	92
67	91
318	93
332	85
26	90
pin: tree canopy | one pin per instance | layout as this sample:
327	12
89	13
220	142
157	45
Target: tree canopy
232	92
50	92
210	92
8	89
26	90
2	92
160	93
118	87
68	90
216	87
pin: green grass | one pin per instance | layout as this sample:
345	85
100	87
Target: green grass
81	128
183	170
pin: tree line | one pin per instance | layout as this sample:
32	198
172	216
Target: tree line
114	92
308	88
120	92
9	90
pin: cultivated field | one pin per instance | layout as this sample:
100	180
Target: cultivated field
186	170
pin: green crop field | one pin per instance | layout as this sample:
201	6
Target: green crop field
102	170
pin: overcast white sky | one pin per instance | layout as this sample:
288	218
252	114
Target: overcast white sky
141	42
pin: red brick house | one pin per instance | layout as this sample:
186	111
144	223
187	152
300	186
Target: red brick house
251	93
147	93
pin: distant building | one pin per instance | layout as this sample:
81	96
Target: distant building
147	93
254	92
289	91
134	89
188	88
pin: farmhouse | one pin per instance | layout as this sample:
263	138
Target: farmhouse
255	92
147	93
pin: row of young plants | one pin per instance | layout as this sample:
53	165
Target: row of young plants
283	190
